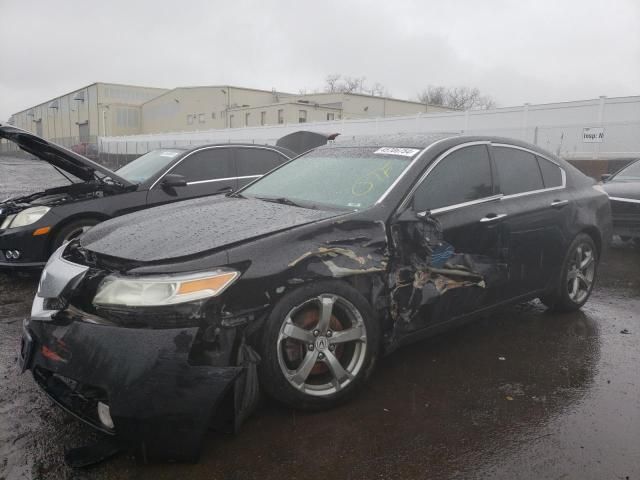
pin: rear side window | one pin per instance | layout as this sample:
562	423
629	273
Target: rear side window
210	164
461	176
551	174
517	170
257	161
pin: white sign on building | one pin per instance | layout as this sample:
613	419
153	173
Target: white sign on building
593	134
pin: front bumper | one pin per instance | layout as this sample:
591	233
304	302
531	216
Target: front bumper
161	405
34	251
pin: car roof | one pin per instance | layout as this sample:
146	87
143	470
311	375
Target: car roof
396	140
425	140
191	148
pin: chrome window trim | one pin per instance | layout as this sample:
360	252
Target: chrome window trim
622	199
223	179
448	208
411	164
435	163
259	147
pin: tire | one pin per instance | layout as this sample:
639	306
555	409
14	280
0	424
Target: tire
576	283
306	362
72	230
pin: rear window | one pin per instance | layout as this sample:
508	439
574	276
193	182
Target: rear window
518	171
551	174
256	161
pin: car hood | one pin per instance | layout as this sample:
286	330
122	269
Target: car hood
71	162
628	190
192	227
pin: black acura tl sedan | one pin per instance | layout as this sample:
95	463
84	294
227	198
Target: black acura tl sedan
33	226
624	192
154	326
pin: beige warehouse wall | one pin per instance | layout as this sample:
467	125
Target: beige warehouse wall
199	108
290	114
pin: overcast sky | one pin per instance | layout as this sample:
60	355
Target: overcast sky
514	50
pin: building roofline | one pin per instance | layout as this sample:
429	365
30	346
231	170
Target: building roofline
82	88
219	86
375	96
301	104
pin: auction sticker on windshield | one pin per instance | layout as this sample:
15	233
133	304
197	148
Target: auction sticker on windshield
405	152
169	154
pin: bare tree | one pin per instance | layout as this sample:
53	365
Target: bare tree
337	83
461	98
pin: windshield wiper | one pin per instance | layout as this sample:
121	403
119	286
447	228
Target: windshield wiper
282	200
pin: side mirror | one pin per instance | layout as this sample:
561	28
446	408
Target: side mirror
171	180
605	176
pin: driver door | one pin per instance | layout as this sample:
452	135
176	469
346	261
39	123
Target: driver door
450	241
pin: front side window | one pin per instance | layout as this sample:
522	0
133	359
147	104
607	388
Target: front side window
462	176
518	171
210	164
346	178
149	164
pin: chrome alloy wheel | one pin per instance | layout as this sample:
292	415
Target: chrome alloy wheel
582	269
322	345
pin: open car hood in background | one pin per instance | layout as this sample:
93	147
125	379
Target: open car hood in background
71	162
303	141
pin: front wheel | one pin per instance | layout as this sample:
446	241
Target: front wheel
577	277
320	345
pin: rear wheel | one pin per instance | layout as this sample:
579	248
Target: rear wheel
578	276
72	230
320	345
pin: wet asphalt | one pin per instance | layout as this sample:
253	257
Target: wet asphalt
523	394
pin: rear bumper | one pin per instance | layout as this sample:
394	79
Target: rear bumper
161	406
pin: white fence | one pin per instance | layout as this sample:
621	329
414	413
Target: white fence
603	128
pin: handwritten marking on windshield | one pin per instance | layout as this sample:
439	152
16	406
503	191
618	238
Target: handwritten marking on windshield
365	184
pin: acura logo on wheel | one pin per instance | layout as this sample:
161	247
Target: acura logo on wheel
322	343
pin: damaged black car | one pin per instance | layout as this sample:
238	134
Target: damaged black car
35	225
155	326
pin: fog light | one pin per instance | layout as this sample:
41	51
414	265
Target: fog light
16	254
104	414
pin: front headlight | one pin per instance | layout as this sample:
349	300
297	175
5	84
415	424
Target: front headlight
25	217
163	290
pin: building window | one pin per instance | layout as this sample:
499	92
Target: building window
331	116
280	116
302	116
190	119
213	115
246	119
263	118
201	118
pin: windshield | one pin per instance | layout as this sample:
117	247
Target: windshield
344	178
628	174
144	167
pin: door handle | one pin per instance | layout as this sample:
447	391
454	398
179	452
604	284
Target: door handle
559	203
492	217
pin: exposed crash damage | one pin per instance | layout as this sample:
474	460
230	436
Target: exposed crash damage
155	326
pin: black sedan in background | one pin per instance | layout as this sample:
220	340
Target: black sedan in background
624	192
153	326
33	226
